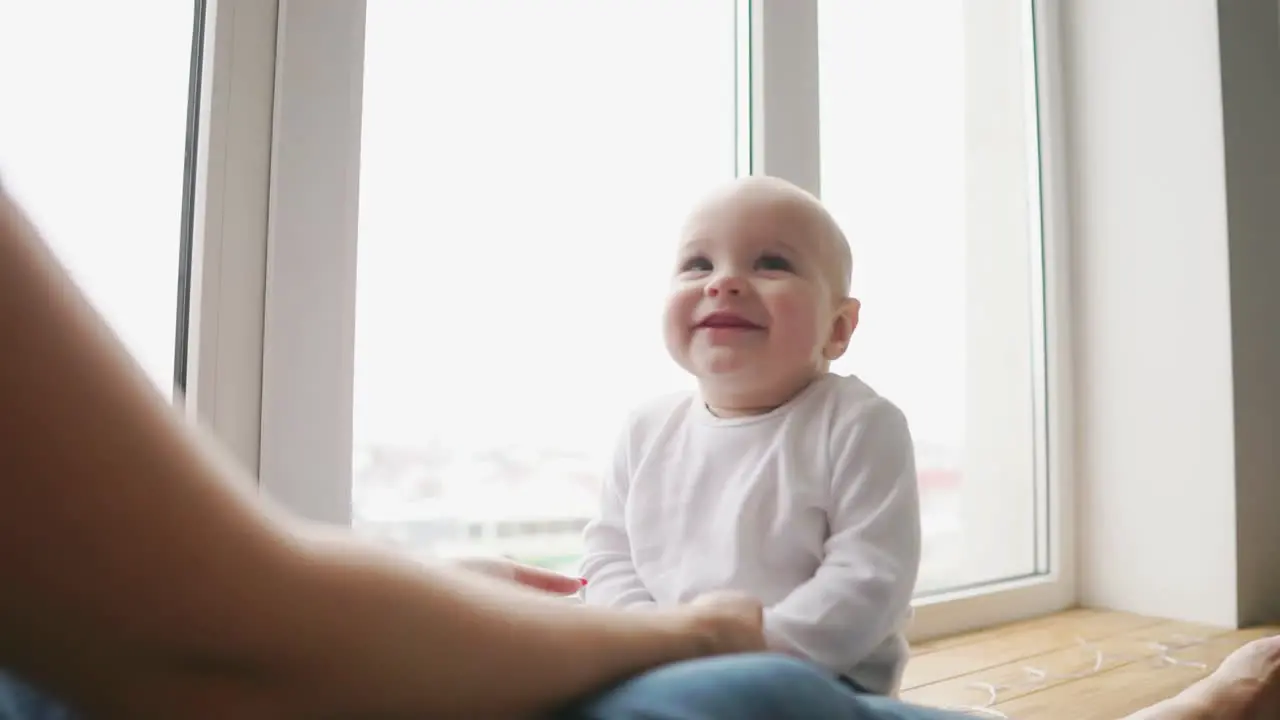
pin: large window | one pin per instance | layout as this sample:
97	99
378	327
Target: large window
94	143
428	241
523	174
516	221
929	162
473	211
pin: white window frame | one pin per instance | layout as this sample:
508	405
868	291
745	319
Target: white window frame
229	234
273	299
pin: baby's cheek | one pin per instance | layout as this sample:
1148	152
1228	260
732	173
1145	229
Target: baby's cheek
679	309
681	301
675	325
796	315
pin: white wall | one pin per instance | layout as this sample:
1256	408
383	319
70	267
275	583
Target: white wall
1170	303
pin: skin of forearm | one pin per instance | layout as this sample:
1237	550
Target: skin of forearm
115	516
136	564
385	641
127	542
380	639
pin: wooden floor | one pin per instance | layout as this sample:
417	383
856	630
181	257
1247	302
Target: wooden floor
1077	665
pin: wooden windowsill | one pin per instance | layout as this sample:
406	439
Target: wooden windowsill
1076	665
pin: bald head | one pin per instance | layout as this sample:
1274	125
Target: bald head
800	206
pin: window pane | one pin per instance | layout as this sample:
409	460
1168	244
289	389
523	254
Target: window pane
929	164
517	222
93	143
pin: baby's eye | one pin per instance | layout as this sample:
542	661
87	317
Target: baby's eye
774	262
696	264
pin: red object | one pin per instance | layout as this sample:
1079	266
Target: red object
583	581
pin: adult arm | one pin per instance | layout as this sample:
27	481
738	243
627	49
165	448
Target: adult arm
142	578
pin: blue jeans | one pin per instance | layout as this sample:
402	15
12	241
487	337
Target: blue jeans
743	687
19	701
737	687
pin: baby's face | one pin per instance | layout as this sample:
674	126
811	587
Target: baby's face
754	310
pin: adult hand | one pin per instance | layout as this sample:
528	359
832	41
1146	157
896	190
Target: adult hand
733	621
531	577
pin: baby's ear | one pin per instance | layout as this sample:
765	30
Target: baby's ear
842	327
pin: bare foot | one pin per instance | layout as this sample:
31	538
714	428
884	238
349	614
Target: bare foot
1246	686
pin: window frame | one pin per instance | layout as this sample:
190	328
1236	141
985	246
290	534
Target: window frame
186	240
223	370
271	358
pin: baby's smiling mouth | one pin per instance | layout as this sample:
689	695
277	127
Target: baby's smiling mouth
726	321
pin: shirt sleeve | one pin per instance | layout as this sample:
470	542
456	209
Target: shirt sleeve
611	575
863	587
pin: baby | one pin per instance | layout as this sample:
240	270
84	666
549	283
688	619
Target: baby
776	478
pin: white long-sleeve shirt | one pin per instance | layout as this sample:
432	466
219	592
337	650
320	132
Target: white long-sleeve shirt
812	508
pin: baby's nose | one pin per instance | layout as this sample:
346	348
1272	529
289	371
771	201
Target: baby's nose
727	284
